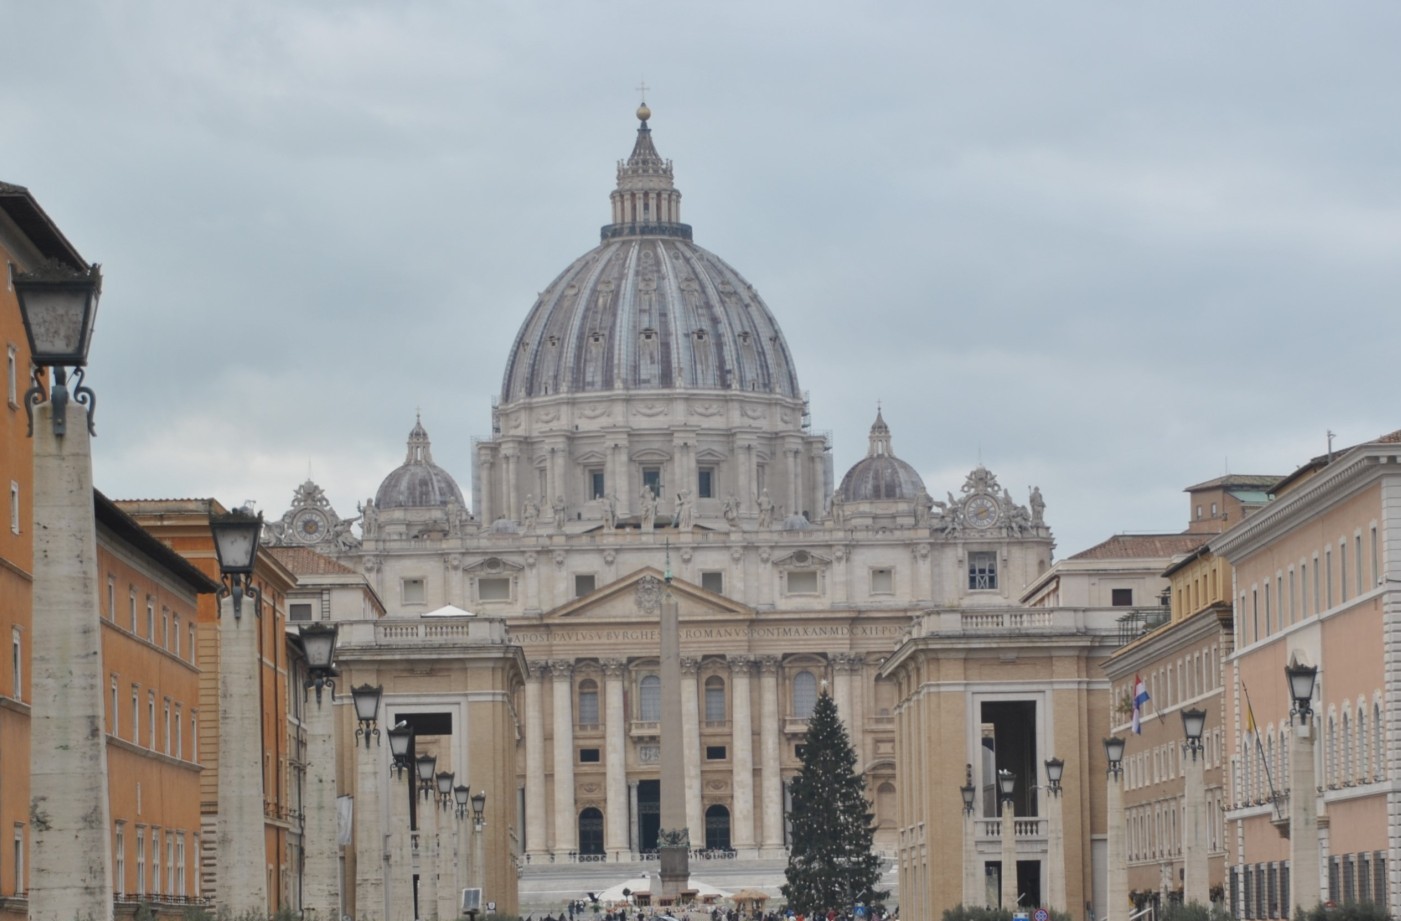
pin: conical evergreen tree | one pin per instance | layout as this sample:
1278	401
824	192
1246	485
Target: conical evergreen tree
830	862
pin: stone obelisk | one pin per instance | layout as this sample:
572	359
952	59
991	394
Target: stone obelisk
673	838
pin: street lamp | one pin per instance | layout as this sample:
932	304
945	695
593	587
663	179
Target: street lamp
70	868
319	644
1007	785
445	779
366	697
969	793
236	536
1055	769
58	304
427	764
1193	722
1055	843
400	742
1307	884
1118	883
479	809
460	795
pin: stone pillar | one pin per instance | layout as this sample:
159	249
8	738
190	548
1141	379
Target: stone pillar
634	839
673	850
70	865
974	893
453	878
428	862
511	494
369	831
690	735
1196	886
1009	857
1305	879
399	887
242	861
1118	889
321	853
536	837
742	756
771	795
566	825
1055	850
615	829
484	500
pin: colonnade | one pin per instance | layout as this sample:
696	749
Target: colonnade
756	812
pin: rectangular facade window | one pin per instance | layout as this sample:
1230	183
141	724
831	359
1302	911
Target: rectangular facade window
715	753
596	485
705	483
1293	615
652	479
175	633
165	627
1342	571
132	600
1267	607
151	720
300	610
20	882
588	756
584	583
165	713
1328	568
14	507
1255	614
180	865
1121	597
882	581
112	598
116	709
194	737
1376	570
982	570
1361	586
413	591
179	734
713	582
11	376
495	588
1304	589
170	861
150	618
17	663
192	641
119	857
136	714
140	861
802	582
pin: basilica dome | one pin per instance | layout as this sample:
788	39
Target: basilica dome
880	474
648	309
418	483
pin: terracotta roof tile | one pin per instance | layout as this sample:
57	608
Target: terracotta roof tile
307	562
1143	546
1249	480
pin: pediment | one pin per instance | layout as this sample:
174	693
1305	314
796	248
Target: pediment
638	596
493	566
802	559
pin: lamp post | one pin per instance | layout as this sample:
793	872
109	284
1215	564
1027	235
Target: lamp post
461	795
241	857
1006	786
321	853
1196	884
444	866
1055	834
70	862
1118	889
401	896
478	852
1305	880
973	894
369	824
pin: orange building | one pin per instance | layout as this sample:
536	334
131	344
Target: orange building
183	524
149	603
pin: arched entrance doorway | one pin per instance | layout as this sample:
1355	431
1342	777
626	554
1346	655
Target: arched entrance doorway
591	833
717	828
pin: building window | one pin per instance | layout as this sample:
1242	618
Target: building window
715	753
804	694
20	882
165	627
596	483
150	618
588	756
650	699
11	376
180	865
140	861
17	664
194	737
116	709
192	641
1342	570
132	604
167	734
1121	597
151	720
652	479
119	857
583	584
136	714
112	598
155	861
170	861
1361	586
588	702
705	483
494	588
179	734
801	582
14	507
882	582
714	699
301	610
982	570
713	582
412	591
175	633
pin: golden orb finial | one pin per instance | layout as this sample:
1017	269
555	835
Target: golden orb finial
643	113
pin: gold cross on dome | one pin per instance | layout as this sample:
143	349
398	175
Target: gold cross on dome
642	89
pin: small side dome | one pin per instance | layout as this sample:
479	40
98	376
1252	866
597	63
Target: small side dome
880	475
419	483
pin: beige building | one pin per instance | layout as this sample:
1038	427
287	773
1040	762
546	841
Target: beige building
651	420
1315	576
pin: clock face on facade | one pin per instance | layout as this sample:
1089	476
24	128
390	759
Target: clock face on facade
981	511
309	525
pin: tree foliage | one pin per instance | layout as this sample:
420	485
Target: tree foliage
830	861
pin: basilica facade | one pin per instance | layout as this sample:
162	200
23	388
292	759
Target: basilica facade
650	423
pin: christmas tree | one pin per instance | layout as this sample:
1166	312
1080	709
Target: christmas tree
830	863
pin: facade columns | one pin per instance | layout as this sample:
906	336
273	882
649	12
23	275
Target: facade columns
690	734
321	868
1118	889
566	825
615	829
1196	886
1009	856
771	795
428	862
242	862
1305	877
399	888
536	837
974	891
1055	847
484	500
369	832
741	755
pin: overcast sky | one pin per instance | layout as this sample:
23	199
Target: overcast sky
1110	249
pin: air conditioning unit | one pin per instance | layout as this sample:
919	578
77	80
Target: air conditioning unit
471	901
